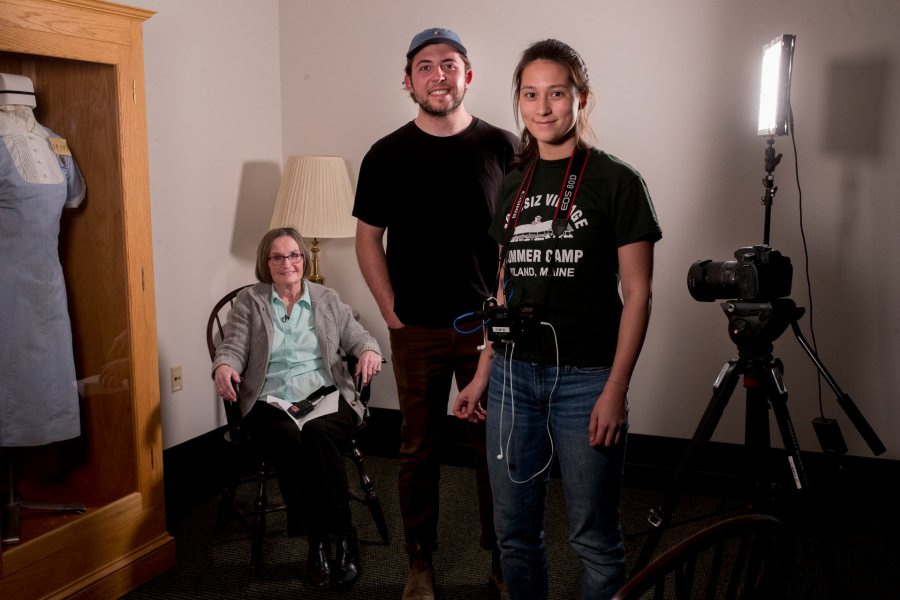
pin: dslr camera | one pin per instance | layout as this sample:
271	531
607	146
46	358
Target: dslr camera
509	323
759	274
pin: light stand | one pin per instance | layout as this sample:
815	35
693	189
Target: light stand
768	198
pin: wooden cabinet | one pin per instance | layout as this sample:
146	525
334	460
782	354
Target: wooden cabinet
85	58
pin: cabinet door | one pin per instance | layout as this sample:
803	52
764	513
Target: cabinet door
85	59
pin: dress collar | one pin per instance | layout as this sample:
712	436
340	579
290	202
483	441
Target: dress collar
18	119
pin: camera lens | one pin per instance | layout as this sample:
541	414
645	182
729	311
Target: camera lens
759	274
708	280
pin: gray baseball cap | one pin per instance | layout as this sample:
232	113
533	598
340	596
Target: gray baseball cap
435	35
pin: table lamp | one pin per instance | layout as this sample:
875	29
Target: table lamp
316	199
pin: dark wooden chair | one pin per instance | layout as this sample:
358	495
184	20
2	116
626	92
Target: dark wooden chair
243	449
745	557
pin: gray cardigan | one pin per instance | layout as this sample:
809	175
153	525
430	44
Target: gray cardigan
248	340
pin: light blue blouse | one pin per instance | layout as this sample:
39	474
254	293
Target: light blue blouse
296	368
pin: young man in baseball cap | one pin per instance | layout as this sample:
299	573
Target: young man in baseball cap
432	185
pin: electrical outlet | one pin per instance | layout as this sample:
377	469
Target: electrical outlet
175	378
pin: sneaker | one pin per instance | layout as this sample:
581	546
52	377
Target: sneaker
420	581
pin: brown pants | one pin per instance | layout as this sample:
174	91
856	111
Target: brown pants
424	362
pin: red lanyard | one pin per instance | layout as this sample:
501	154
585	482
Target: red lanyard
568	191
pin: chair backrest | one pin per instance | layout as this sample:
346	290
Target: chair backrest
215	332
215	326
745	557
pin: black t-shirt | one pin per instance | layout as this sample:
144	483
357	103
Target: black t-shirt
437	197
573	279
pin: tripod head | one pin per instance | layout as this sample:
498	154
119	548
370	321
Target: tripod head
754	326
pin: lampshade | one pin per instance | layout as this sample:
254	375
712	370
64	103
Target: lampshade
315	197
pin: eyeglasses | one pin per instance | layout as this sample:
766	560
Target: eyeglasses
278	259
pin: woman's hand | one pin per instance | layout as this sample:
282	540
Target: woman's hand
469	405
608	417
226	378
393	321
114	374
368	366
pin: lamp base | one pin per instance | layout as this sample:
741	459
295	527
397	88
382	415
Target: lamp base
314	274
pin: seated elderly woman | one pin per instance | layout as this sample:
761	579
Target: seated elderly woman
284	339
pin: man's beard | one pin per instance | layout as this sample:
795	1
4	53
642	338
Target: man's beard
425	105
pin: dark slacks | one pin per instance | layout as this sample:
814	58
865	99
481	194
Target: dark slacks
309	465
425	360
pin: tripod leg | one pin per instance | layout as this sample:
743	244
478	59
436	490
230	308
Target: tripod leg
807	510
844	400
659	517
778	399
757	440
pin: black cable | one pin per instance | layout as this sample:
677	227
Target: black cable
812	331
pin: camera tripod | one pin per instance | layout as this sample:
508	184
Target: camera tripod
754	326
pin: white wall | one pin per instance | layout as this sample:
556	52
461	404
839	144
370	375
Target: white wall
214	121
677	87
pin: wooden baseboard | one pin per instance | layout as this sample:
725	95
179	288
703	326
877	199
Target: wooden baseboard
126	574
105	550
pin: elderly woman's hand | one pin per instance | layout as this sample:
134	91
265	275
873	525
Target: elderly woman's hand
226	378
368	366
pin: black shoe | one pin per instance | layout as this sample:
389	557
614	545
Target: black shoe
317	567
347	559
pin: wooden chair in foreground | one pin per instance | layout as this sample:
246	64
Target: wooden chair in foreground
745	556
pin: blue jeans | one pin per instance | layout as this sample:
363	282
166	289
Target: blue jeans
591	477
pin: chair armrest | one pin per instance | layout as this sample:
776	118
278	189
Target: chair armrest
234	419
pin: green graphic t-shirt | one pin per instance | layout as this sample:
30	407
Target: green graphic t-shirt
572	279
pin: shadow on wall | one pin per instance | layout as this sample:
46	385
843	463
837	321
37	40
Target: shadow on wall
858	113
256	201
855	114
855	119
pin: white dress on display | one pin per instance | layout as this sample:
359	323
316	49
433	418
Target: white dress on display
38	393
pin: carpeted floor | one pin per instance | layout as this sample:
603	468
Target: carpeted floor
213	561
